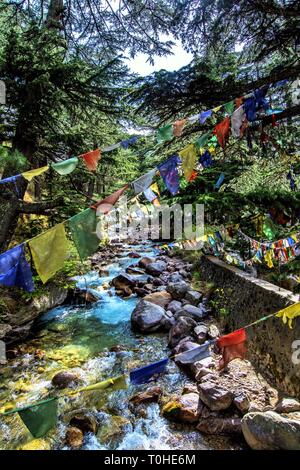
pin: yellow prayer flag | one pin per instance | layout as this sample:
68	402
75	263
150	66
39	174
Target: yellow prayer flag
289	313
216	109
155	188
28	175
116	383
49	251
188	156
268	259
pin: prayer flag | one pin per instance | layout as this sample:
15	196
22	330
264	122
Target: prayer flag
178	127
169	173
12	179
111	147
40	417
202	141
237	119
193	176
66	167
116	383
288	314
154	187
188	156
229	107
106	204
28	175
91	159
131	141
250	109
149	195
83	229
145	374
205	115
14	269
195	354
222	130
206	159
49	251
143	182
220	181
217	108
164	133
232	347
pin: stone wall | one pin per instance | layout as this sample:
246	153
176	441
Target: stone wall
248	299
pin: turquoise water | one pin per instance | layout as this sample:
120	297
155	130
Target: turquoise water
79	338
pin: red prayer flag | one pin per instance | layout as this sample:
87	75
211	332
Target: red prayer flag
193	176
91	159
232	347
106	204
222	131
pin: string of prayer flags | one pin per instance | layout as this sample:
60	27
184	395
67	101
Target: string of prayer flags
142	183
49	251
288	314
206	159
232	347
222	131
146	373
91	159
237	119
29	175
106	204
164	133
204	116
169	173
194	355
39	417
131	141
219	181
178	127
116	383
83	229
65	167
188	157
110	148
15	270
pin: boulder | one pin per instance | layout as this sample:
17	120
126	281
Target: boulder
215	425
161	298
156	269
157	282
178	289
147	317
140	291
182	328
134	271
271	431
201	372
64	379
214	396
145	261
213	332
103	272
184	409
242	402
175	277
193	297
174	305
201	332
150	395
287	405
123	280
190	311
85	422
74	437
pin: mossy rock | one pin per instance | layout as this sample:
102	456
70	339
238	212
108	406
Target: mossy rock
36	444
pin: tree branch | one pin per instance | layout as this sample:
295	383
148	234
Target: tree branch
41	208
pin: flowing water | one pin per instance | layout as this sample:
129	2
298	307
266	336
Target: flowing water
79	338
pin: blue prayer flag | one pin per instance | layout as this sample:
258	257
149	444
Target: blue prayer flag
131	141
145	374
220	181
205	115
206	159
15	270
169	173
12	179
150	195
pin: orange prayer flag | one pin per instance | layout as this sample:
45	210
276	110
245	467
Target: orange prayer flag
232	347
193	176
222	131
91	159
178	127
106	204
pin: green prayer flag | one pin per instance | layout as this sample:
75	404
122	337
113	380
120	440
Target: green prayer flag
269	229
83	228
165	133
66	167
229	107
202	140
41	417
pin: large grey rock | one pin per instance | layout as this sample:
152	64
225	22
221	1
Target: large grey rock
184	409
147	317
178	289
190	311
215	425
161	298
145	261
182	328
175	277
271	431
215	396
287	405
156	269
193	297
174	305
242	402
123	280
201	332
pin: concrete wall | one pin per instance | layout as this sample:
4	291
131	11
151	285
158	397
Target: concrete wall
270	342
